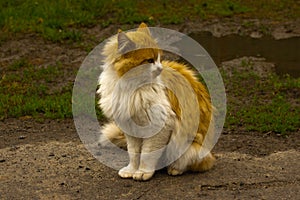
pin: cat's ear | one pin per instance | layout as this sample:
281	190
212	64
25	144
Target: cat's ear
124	43
144	28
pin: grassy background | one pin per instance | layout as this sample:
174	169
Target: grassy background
30	90
265	104
62	19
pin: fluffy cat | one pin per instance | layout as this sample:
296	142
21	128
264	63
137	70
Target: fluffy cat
127	88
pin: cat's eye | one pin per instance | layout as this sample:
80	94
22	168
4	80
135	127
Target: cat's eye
151	60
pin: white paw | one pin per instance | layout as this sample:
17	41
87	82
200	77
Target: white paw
142	175
126	172
174	172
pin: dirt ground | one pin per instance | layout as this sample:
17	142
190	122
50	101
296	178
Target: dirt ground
45	159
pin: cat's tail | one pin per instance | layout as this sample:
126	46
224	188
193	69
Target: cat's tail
112	133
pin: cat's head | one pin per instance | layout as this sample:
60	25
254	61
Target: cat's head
130	50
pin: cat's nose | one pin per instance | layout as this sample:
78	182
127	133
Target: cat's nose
159	68
157	71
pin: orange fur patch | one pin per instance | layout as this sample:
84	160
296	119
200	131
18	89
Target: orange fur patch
134	59
202	96
174	103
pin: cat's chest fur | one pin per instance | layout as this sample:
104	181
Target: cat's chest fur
107	81
120	96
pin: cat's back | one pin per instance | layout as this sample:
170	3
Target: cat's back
174	70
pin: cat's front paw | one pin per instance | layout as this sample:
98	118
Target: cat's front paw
127	172
141	175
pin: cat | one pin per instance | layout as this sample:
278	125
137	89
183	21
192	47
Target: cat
117	97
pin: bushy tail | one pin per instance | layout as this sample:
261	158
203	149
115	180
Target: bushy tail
112	133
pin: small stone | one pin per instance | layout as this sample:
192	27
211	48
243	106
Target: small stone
22	137
256	34
2	160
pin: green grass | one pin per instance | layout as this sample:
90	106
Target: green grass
28	90
264	104
63	20
278	116
39	92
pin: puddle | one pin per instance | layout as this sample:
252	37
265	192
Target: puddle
284	53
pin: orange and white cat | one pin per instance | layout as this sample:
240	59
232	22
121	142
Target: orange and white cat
129	95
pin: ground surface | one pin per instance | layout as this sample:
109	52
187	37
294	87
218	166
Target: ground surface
46	160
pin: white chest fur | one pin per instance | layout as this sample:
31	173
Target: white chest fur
107	82
136	103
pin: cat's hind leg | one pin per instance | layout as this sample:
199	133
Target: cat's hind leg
204	164
191	160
